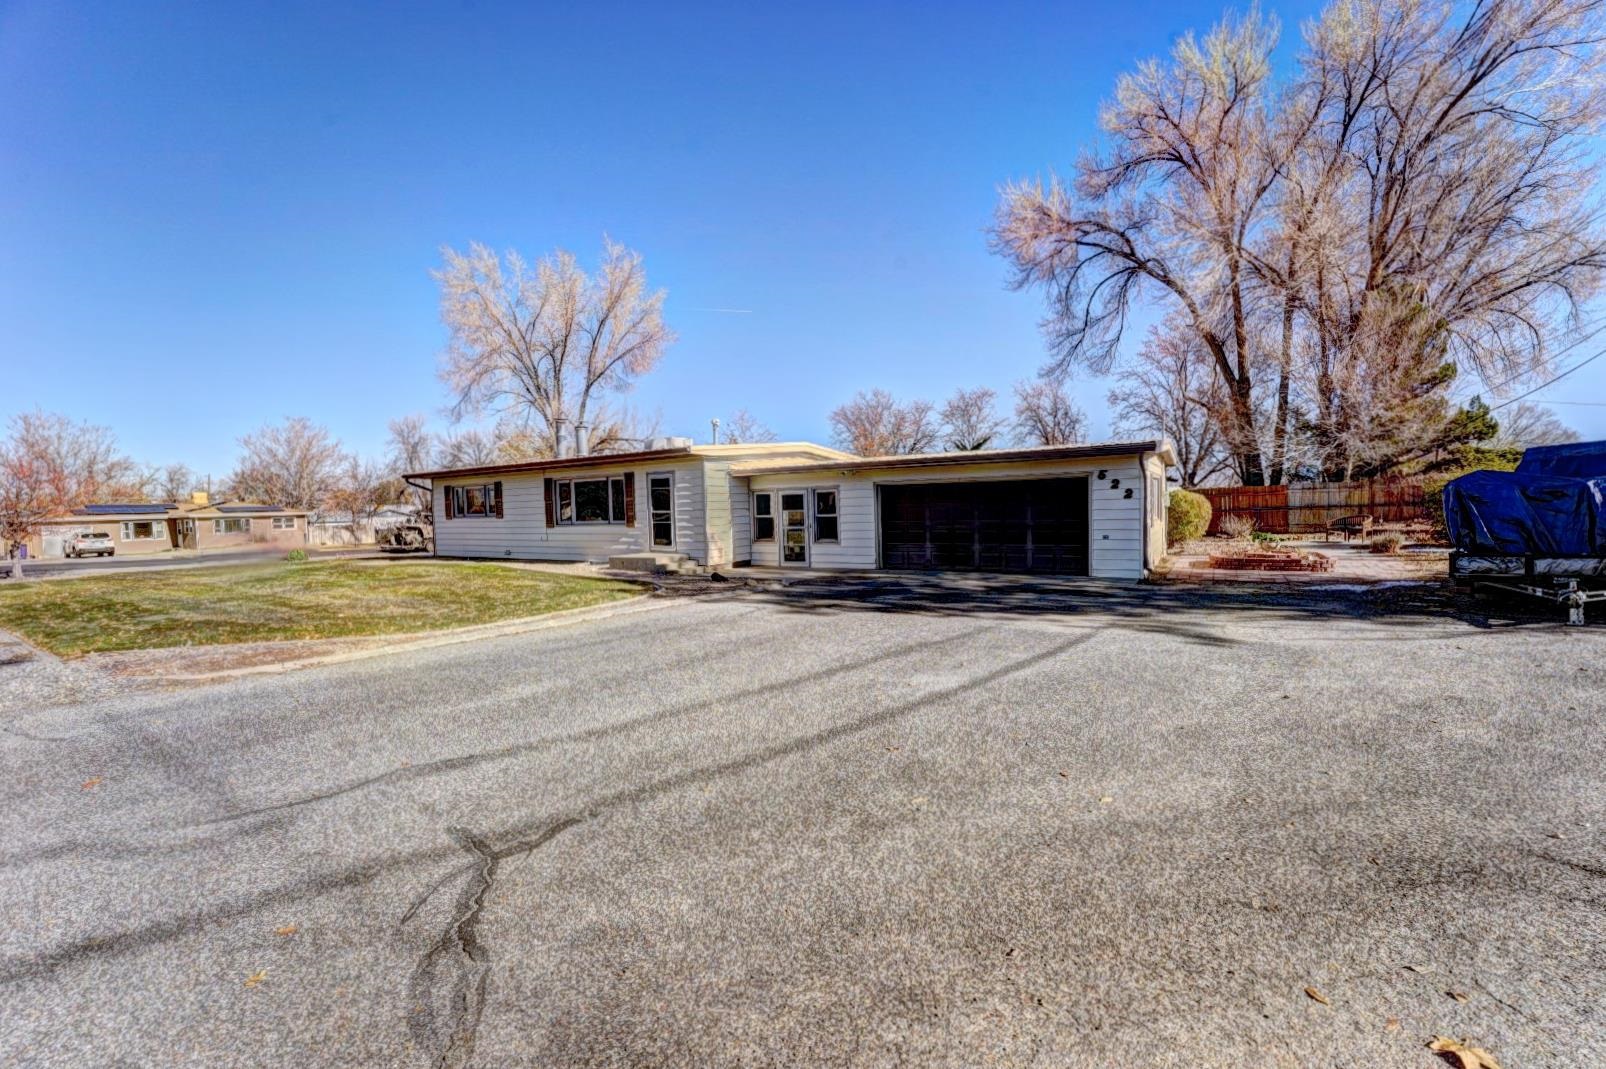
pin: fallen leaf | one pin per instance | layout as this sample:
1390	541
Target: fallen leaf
256	978
1392	1024
1317	996
1466	1057
1457	995
1064	774
288	929
1420	968
91	783
1106	800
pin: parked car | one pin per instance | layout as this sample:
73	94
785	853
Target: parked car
97	543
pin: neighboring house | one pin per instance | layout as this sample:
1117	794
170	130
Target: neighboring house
159	527
336	529
1095	510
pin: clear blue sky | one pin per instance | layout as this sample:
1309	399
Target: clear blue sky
216	216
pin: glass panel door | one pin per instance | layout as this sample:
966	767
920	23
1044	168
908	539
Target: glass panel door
661	513
794	529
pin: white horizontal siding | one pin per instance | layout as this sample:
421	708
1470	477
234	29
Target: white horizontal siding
522	534
1115	521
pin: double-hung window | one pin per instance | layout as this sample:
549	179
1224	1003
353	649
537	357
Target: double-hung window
825	527
599	500
284	523
763	517
477	500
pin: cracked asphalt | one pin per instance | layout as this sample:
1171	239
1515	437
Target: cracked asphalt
909	823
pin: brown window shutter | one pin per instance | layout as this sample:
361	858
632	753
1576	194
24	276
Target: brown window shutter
446	498
498	499
630	499
551	505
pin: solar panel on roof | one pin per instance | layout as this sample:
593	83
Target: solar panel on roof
119	510
249	508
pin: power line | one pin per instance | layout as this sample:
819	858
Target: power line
1549	382
1598	325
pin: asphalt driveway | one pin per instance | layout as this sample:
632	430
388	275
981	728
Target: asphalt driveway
919	823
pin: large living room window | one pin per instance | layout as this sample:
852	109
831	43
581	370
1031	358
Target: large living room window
231	525
135	529
592	500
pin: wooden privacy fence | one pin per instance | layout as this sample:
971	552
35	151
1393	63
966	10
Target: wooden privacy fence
1310	507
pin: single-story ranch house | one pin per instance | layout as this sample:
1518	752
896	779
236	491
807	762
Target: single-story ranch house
149	527
1096	510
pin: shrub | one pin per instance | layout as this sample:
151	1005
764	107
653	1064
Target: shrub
1237	527
296	556
1388	542
1187	517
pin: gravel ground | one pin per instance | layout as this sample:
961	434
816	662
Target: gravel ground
921	823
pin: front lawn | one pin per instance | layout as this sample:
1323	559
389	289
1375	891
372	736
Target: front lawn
262	603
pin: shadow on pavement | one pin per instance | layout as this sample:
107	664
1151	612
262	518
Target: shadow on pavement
1189	612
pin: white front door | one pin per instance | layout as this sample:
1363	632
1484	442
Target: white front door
661	510
794	527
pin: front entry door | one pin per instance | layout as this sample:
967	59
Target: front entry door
794	528
661	510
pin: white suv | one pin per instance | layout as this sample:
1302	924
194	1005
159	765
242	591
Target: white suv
96	543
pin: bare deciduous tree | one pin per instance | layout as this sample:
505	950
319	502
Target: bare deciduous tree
174	483
1046	415
873	424
1411	201
549	345
471	448
1167	209
970	421
293	464
358	490
1524	424
1172	390
49	464
411	447
744	429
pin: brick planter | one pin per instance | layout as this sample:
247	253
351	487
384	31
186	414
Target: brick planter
1267	562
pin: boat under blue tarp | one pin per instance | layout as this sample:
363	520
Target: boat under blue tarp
1553	505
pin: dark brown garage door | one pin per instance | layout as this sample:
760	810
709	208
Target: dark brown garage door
1029	525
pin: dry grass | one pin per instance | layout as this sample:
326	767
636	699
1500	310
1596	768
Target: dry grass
273	602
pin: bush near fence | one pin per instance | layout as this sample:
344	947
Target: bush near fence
1307	508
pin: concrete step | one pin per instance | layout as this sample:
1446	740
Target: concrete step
658	564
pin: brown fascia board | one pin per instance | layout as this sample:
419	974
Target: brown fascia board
590	460
948	460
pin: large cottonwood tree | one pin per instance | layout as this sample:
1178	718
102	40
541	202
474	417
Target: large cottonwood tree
550	346
1412	205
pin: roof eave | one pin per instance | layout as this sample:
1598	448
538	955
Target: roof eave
590	460
963	459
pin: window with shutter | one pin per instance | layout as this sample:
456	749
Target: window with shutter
498	493
551	510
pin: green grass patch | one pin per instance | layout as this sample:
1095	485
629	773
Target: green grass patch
271	602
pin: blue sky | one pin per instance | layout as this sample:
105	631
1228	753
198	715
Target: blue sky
220	215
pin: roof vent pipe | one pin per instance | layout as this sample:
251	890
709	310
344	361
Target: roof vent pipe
582	440
560	448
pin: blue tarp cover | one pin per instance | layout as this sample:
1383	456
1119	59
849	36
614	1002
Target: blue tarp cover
1554	504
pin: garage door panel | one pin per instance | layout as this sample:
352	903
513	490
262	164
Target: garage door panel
1026	525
